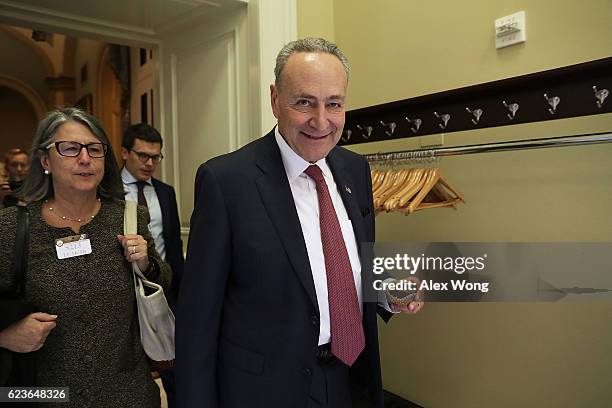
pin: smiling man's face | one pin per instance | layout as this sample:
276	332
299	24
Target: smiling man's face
309	103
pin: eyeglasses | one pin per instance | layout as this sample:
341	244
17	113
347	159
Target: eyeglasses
144	157
73	149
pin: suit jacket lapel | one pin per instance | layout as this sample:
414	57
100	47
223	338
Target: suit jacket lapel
348	192
163	204
276	196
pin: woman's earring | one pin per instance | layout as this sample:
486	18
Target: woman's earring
47	172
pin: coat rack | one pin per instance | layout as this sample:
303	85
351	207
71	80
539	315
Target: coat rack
429	154
576	90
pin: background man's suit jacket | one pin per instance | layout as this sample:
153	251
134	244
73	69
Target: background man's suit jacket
248	319
172	235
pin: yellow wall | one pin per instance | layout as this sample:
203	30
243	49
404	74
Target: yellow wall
489	355
316	18
400	48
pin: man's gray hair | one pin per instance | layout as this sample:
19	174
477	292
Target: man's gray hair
308	44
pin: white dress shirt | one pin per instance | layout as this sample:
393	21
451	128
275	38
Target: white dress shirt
155	226
304	192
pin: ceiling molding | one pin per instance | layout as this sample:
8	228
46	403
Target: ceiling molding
60	22
203	9
198	3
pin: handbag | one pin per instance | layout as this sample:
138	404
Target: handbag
17	369
154	315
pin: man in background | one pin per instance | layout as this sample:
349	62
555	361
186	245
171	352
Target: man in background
17	165
141	152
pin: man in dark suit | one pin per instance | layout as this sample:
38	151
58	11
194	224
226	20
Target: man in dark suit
273	312
141	150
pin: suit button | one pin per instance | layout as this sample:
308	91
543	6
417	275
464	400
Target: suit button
314	319
307	372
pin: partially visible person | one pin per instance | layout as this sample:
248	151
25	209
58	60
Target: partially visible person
273	309
85	326
141	151
5	188
17	164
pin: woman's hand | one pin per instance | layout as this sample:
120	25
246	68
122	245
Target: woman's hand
135	250
28	334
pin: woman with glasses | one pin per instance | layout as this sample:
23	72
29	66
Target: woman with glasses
84	326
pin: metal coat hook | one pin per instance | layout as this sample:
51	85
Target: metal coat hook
391	126
417	123
513	108
553	101
600	95
368	130
348	133
445	118
477	114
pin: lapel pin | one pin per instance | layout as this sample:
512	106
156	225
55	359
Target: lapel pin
348	190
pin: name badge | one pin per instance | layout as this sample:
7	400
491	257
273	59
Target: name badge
70	247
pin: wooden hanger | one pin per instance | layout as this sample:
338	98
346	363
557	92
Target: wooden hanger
438	196
433	175
386	180
377	177
398	183
411	182
412	189
407	194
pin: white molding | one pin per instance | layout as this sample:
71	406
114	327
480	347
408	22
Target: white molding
210	11
175	138
198	3
160	118
60	22
273	23
233	90
234	111
182	20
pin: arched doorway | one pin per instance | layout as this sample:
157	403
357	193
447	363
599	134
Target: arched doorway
19	120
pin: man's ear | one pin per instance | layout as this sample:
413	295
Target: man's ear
274	100
124	153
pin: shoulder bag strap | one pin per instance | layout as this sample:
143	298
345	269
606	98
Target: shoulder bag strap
22	239
130	226
130	222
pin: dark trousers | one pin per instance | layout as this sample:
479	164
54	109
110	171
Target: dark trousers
330	387
167	377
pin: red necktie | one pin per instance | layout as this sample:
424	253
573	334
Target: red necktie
347	338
